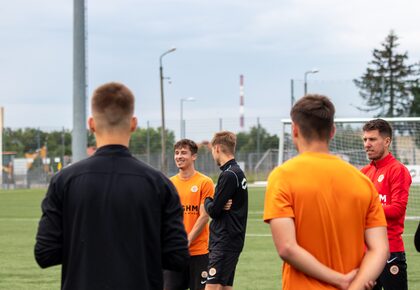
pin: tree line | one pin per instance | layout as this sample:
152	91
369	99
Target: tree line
143	141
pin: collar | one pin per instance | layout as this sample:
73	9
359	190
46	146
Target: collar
228	164
384	161
112	149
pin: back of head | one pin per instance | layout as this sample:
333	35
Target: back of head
112	106
384	128
226	140
314	115
187	143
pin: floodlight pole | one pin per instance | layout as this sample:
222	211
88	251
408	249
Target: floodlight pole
305	83
79	133
162	108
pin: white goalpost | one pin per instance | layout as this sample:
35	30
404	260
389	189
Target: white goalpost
347	143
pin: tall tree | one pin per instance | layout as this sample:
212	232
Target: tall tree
415	90
385	86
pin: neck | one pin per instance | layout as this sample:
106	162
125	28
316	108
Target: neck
225	159
187	173
314	146
103	140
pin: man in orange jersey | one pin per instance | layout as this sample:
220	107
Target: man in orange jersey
322	211
193	188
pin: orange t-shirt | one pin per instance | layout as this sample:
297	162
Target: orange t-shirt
192	193
332	204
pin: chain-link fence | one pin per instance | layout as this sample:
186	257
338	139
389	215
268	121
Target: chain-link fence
32	156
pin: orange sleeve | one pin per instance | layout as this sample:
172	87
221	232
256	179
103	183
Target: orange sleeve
207	190
278	198
376	215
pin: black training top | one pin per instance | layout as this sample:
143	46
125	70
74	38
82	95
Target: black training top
113	222
417	239
227	228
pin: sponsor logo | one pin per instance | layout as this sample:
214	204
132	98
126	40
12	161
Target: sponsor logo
244	185
390	261
380	178
394	269
382	198
194	188
189	208
212	272
204	274
210	278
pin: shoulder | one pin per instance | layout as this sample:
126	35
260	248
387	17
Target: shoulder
204	178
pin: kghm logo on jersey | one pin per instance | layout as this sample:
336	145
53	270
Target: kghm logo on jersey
190	208
194	188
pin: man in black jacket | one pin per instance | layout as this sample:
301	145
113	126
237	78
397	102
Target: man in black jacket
228	210
112	221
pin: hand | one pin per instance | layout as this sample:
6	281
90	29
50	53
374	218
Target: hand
369	285
228	205
345	282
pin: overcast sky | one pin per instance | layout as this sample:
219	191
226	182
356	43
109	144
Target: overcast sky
270	42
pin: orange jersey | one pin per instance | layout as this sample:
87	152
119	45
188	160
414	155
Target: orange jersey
192	193
332	205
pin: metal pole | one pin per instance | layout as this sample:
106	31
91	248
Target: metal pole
182	133
258	137
148	143
162	108
163	133
292	93
79	135
305	84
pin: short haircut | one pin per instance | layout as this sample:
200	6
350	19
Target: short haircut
113	105
314	114
226	140
190	144
384	128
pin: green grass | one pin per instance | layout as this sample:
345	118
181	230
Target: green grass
259	265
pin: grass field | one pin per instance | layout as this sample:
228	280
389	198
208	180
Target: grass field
259	266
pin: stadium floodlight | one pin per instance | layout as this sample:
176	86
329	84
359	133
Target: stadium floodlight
162	107
182	125
305	83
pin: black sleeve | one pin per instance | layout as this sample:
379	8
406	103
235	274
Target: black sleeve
49	238
175	254
226	187
417	239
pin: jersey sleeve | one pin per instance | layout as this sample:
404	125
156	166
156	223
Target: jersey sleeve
375	216
49	237
400	182
207	190
278	198
226	187
175	253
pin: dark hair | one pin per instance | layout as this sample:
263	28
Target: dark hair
227	140
384	128
314	114
187	143
113	103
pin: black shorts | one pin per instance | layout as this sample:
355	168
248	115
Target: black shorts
222	267
394	275
192	277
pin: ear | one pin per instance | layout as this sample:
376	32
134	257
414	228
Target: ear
133	124
91	125
194	157
295	130
388	142
333	130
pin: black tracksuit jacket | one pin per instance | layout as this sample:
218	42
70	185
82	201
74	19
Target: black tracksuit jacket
227	228
113	222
